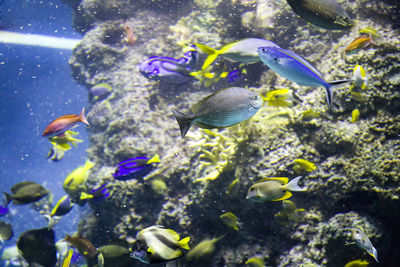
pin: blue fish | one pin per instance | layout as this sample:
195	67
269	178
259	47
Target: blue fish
134	168
99	193
170	70
296	69
3	210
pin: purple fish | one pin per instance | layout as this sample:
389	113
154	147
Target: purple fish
3	210
170	70
134	168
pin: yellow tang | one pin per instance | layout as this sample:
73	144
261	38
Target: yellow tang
302	164
230	220
355	114
77	178
255	262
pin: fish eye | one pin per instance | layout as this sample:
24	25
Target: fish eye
276	59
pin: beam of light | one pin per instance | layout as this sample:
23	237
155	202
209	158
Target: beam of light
37	40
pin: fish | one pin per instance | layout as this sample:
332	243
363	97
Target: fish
135	168
230	220
362	241
99	193
233	188
62	248
326	14
355	115
203	250
63	206
357	263
170	70
84	246
6	231
301	165
296	69
38	246
100	90
77	178
369	31
223	108
56	153
67	259
273	189
130	36
3	210
25	193
100	260
244	51
359	43
65	140
255	262
289	213
309	115
156	245
115	255
64	123
278	98
159	186
12	256
360	77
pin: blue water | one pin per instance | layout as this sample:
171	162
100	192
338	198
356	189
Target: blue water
36	87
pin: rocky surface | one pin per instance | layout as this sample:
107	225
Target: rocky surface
357	177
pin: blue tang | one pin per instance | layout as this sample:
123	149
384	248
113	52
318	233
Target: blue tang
3	210
223	108
296	69
135	168
99	193
170	70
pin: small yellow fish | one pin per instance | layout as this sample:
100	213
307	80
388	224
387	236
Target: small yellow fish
77	178
159	186
309	115
303	165
357	263
278	98
360	77
288	214
273	189
230	220
368	31
203	249
255	262
233	188
355	114
358	43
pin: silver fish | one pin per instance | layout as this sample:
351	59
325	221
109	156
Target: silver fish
222	109
326	14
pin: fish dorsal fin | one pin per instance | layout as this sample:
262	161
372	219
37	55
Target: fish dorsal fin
285	196
283	180
173	234
70	116
18	186
196	107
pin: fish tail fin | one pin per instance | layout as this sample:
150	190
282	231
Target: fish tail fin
293	185
82	117
211	52
329	89
9	197
154	159
184	121
85	195
184	243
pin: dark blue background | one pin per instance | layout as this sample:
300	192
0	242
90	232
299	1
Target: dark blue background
36	87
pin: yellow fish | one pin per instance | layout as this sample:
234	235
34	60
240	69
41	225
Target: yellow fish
355	114
357	263
65	140
77	178
303	165
230	220
309	115
360	77
255	262
278	98
368	31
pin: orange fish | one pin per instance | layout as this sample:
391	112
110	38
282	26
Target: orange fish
64	123
360	42
130	37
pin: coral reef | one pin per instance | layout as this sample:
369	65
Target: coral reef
356	180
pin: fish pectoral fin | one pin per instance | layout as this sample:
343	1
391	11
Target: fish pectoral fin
285	196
